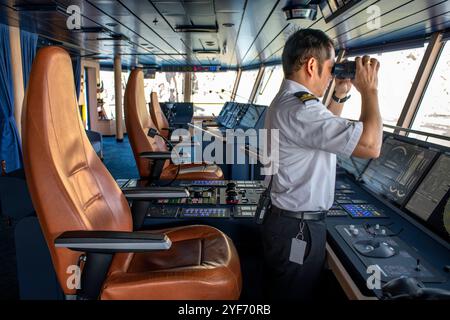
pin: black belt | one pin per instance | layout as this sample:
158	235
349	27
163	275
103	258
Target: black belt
305	215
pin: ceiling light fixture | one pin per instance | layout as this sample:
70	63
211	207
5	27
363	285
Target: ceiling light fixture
301	10
193	28
206	51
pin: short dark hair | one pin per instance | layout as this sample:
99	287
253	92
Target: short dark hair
303	45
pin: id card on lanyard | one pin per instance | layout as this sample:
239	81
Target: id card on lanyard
298	246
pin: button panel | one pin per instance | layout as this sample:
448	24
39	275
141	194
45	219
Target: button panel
363	211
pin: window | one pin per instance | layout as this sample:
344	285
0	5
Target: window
246	84
106	100
397	72
210	90
168	85
270	84
433	115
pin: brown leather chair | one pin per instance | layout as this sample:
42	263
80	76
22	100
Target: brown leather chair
138	123
158	117
75	196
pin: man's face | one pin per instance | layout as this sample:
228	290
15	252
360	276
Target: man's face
323	80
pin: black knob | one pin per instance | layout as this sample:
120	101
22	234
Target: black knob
232	193
231	185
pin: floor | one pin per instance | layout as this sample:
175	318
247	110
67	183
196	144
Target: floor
118	158
9	289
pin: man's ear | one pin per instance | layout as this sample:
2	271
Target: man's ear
311	66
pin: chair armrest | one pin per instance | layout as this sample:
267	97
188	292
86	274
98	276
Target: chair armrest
151	193
112	241
182	138
188	144
156	155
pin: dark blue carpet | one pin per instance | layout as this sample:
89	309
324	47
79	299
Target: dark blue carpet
9	288
118	158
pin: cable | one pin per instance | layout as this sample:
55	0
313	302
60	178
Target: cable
152	132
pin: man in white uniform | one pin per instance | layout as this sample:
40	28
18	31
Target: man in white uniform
310	136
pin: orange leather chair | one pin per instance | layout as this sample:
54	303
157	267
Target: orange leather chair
158	117
75	196
138	123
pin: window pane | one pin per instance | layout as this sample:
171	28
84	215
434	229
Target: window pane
397	72
107	100
168	85
246	85
210	90
434	111
270	84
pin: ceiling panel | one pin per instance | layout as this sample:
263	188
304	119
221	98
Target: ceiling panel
250	32
391	13
199	8
393	21
255	16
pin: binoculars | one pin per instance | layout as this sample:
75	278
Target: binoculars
344	70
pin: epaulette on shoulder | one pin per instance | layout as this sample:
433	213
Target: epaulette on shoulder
305	96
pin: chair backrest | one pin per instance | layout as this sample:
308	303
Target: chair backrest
138	122
157	114
70	187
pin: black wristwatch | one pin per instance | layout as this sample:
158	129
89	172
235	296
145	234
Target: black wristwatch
336	99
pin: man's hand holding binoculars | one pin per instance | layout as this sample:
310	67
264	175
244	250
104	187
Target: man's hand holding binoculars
366	75
362	73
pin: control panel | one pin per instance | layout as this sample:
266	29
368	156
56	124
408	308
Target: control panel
378	246
347	202
207	199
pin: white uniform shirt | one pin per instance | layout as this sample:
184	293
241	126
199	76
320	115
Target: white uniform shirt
310	136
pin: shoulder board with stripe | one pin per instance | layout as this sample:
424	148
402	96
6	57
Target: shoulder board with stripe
305	96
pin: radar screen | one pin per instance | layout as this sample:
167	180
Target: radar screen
398	169
431	201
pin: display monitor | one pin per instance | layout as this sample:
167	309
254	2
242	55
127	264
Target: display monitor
251	116
228	114
397	171
225	109
431	201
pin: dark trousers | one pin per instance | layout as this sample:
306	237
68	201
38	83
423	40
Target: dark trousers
286	280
